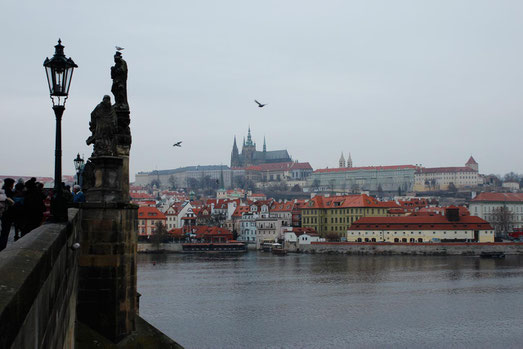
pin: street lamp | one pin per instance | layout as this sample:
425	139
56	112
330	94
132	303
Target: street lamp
79	166
59	71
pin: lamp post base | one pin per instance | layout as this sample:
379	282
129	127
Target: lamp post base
58	209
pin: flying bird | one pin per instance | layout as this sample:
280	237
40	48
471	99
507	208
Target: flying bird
177	144
118	48
260	105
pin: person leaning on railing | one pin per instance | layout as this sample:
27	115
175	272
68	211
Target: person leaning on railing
6	211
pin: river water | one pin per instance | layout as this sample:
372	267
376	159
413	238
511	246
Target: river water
259	300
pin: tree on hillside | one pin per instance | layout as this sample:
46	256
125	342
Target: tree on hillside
155	182
315	184
296	188
452	188
172	182
380	192
512	177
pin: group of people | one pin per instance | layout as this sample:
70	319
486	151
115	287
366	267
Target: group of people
23	205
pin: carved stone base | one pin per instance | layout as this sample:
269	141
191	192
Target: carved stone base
107	184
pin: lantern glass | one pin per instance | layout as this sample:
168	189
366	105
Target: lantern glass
59	71
78	163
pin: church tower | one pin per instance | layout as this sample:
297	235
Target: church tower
248	150
349	162
341	162
235	156
472	164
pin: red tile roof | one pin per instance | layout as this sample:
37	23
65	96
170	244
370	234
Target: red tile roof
423	222
146	212
499	197
463	211
366	168
471	161
303	230
347	201
282	206
241	210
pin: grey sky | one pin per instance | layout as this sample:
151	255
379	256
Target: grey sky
392	82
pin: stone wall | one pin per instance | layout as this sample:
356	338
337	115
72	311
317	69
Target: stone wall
467	249
38	283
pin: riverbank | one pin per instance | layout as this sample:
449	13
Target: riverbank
424	249
376	248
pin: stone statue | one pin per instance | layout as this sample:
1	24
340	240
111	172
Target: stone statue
119	76
103	127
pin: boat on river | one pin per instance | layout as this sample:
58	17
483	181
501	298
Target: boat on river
222	247
497	255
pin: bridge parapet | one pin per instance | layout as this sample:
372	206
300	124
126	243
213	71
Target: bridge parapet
38	288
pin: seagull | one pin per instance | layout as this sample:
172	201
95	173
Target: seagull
118	48
260	105
177	144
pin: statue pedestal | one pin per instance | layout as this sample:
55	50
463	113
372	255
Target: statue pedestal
107	299
108	182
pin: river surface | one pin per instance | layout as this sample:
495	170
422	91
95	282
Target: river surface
259	300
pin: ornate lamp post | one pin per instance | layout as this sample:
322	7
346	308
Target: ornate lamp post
59	70
79	166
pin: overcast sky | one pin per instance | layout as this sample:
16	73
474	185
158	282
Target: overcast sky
391	82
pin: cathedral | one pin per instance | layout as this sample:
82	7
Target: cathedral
250	156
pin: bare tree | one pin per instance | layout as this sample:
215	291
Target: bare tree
159	235
502	221
172	182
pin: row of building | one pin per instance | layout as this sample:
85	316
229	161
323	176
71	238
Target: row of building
357	218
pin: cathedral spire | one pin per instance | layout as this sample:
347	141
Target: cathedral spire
235	156
249	138
264	145
341	162
349	161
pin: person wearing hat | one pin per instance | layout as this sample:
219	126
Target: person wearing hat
6	205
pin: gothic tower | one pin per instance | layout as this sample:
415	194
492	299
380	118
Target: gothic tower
235	156
248	150
341	162
349	162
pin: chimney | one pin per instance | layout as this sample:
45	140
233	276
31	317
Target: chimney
452	214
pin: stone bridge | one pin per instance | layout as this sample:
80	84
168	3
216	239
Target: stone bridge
55	296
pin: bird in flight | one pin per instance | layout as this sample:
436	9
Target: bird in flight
118	48
177	144
260	105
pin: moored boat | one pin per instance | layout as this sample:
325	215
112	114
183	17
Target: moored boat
492	255
205	247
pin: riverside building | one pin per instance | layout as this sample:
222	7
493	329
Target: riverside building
337	213
486	206
451	227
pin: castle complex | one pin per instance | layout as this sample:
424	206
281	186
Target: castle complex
250	156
